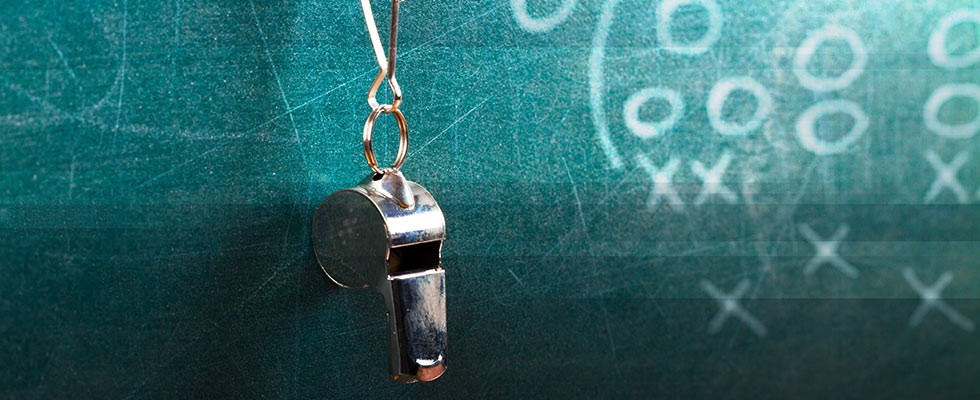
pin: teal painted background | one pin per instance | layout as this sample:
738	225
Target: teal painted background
160	163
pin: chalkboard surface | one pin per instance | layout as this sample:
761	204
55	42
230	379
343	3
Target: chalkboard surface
668	198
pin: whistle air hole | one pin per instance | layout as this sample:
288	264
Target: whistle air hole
414	258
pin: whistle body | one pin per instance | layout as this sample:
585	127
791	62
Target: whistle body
387	233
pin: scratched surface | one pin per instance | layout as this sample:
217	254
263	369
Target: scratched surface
746	199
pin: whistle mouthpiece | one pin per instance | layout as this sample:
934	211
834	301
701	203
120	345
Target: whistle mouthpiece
417	325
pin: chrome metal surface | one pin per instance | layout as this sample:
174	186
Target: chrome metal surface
393	185
417	325
387	233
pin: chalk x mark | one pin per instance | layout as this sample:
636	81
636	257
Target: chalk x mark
827	251
931	296
729	306
662	179
713	180
946	176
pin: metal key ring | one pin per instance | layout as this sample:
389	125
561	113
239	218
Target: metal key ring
402	137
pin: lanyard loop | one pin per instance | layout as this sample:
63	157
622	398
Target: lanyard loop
386	65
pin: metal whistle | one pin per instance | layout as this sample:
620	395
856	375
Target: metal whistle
387	232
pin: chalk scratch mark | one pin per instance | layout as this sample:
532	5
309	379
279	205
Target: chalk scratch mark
173	169
290	111
71	180
61	57
404	56
448	31
581	217
122	71
515	277
609	194
259	289
85	116
45	105
175	50
282	93
178	20
578	201
609	331
461	117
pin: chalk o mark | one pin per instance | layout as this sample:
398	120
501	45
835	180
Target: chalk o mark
645	129
541	24
666	38
809	47
944	94
719	95
806	126
939	53
596	84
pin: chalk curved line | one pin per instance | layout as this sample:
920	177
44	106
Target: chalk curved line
806	126
939	97
665	12
719	95
937	50
644	129
596	84
540	24
810	45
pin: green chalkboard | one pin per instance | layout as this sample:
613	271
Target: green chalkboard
651	199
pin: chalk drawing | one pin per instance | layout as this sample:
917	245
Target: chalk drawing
596	84
662	182
664	26
946	176
540	24
809	47
644	129
806	126
938	41
713	180
944	94
720	93
728	306
827	251
931	296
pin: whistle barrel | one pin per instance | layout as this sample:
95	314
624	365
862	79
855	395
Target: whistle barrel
417	325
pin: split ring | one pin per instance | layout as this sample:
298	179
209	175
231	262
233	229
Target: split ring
402	137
